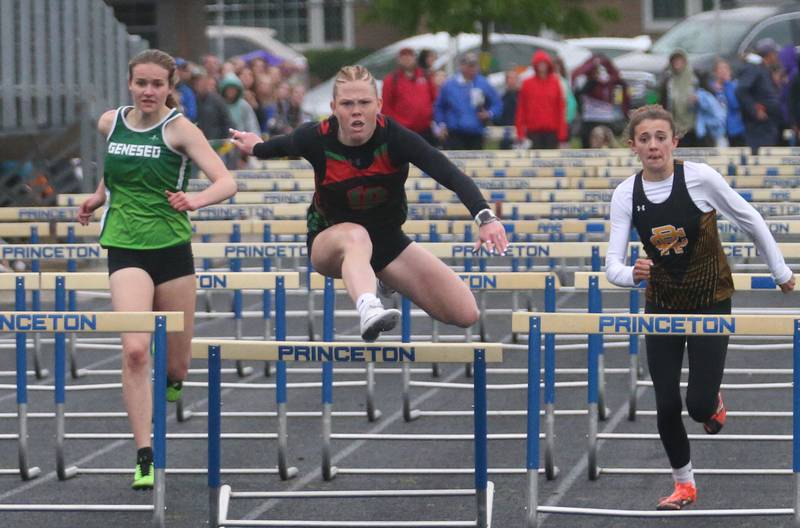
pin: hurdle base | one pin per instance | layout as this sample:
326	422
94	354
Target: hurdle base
552	473
31	473
489	503
68	473
411	415
224	502
329	473
290	473
182	414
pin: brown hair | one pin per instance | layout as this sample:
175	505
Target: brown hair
159	58
643	113
354	73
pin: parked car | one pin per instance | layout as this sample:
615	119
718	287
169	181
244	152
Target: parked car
728	33
508	51
612	47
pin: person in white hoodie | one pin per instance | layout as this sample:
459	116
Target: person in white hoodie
673	206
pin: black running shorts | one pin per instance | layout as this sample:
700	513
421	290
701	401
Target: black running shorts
163	264
387	244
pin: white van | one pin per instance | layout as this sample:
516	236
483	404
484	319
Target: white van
509	51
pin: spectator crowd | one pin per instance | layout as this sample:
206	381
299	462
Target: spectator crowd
252	96
547	107
543	106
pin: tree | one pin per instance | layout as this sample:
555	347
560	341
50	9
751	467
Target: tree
523	16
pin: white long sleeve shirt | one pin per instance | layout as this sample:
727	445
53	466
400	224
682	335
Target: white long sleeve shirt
709	191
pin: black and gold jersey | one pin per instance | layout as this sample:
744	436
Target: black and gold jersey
689	269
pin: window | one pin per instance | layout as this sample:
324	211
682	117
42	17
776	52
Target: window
668	9
780	31
509	55
334	21
289	18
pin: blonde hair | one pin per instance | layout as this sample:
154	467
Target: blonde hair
354	73
159	58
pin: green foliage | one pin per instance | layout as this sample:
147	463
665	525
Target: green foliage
568	17
323	64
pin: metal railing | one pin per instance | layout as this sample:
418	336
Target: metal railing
62	62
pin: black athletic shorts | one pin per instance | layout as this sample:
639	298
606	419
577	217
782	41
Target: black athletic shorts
387	244
163	264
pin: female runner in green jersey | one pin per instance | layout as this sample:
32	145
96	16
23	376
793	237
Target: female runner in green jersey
146	228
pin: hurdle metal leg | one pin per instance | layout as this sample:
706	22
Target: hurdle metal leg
468	339
160	421
267	334
593	402
328	470
214	432
532	459
241	370
633	380
796	420
63	471
74	369
481	441
482	331
373	413
409	414
596	306
284	470
25	472
435	339
551	470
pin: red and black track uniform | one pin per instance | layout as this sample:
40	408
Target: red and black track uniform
365	184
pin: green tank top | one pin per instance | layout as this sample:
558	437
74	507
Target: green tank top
139	167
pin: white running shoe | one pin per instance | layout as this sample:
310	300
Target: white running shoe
376	320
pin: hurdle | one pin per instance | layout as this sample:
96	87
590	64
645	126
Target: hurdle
514	281
215	281
596	282
329	352
635	324
84	322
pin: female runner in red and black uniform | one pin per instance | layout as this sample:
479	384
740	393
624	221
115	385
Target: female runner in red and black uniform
360	160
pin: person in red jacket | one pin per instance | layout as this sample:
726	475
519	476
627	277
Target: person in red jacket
541	106
408	95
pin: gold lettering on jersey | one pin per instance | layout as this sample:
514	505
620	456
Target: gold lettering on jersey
666	238
139	151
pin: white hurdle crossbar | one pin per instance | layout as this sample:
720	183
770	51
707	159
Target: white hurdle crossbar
656	324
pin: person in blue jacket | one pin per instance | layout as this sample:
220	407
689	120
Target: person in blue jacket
724	88
465	105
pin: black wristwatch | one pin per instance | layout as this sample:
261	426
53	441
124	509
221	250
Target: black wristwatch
485	216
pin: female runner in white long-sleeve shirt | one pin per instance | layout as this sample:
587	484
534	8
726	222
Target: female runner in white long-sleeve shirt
673	206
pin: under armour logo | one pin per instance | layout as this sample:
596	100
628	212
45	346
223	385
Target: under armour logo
639	208
154	137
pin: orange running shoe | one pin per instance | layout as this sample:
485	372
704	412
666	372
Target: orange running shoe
717	420
685	494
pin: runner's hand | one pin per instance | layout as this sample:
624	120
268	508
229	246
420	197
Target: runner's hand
493	236
88	207
245	141
641	270
180	201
